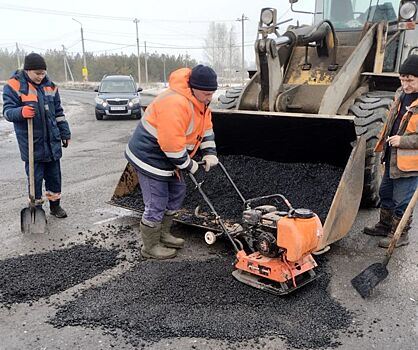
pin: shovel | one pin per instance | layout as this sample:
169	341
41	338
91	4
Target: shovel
32	219
377	272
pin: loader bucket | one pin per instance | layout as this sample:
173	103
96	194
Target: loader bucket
301	138
283	138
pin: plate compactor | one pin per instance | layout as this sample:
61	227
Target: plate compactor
273	247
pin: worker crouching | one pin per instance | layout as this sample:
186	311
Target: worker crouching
398	144
176	125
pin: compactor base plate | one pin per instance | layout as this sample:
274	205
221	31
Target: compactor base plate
276	288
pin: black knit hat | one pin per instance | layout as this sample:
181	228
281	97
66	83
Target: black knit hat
410	66
33	61
203	78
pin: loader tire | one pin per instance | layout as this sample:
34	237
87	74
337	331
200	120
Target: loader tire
230	99
370	110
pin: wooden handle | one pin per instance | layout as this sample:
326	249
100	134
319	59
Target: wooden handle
31	163
402	223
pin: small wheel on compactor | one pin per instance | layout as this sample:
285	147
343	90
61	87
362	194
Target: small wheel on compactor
210	237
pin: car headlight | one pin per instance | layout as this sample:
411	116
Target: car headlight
135	100
268	16
99	100
407	11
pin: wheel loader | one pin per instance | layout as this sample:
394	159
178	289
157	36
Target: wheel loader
319	95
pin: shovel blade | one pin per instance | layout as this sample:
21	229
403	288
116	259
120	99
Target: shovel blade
369	278
32	220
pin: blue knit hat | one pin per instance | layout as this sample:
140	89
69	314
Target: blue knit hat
203	78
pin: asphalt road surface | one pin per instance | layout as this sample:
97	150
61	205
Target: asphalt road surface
84	286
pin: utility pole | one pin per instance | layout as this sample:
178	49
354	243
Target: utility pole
136	21
242	19
165	78
65	63
67	66
84	70
17	55
146	62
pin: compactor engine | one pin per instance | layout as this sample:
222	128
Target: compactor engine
280	243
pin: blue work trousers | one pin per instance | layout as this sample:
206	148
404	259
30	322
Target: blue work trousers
160	197
48	171
395	194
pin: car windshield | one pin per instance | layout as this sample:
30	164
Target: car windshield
354	13
117	86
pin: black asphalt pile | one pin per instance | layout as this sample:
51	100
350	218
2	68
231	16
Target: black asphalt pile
305	185
31	277
160	300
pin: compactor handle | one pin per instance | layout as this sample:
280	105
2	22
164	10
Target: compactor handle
212	208
228	177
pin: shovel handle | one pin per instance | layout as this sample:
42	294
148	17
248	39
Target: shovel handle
402	223
31	164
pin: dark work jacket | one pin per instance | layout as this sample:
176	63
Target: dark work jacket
49	124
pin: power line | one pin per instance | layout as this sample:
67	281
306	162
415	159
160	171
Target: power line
88	15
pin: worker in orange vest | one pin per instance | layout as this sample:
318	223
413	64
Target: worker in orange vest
398	144
174	127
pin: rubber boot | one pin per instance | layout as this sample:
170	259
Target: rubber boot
403	239
56	209
152	248
166	237
383	227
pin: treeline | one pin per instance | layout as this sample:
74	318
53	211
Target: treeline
159	66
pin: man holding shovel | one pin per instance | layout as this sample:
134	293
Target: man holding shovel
30	98
398	144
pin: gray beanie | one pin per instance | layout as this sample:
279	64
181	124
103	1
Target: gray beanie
410	66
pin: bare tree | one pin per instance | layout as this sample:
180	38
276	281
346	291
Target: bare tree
221	50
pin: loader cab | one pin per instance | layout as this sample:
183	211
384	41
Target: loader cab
353	14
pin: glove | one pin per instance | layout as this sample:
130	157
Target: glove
65	143
194	167
28	112
210	161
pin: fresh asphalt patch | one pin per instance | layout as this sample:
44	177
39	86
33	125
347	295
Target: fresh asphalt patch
28	278
159	300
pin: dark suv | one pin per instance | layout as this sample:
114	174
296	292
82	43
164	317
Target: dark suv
118	95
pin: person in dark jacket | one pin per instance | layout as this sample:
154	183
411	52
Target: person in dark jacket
398	144
30	94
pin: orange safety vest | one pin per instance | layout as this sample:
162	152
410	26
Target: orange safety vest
407	158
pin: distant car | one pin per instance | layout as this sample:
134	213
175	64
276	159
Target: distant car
118	95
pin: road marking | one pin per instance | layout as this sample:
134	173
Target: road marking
119	212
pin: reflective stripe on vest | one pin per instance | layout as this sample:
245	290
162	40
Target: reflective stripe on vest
147	167
50	91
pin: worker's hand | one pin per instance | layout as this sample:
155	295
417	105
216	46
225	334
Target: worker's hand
210	161
28	112
65	143
194	167
394	140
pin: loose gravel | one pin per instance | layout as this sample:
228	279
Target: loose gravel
31	277
159	300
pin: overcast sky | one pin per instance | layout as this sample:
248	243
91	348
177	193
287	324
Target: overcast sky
167	26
